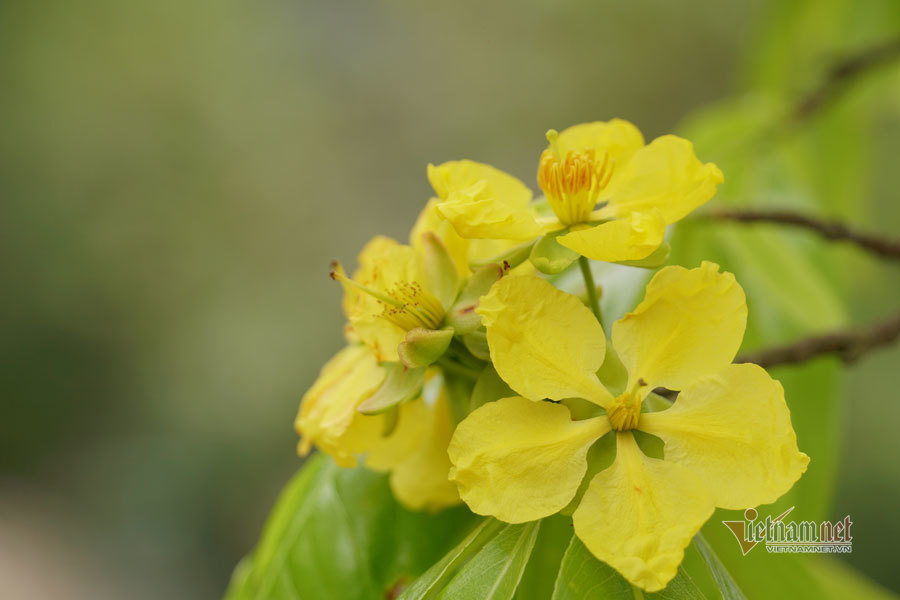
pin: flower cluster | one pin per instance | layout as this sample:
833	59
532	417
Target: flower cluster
469	376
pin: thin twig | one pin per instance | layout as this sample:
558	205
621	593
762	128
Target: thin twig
832	230
848	344
842	74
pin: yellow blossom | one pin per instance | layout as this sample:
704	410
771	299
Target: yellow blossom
391	294
728	437
410	443
612	196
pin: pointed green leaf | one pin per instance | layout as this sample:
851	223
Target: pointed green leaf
440	573
494	573
400	384
727	585
421	347
339	534
540	573
549	257
582	577
682	587
488	565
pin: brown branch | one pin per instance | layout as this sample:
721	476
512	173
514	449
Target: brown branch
848	344
831	230
842	74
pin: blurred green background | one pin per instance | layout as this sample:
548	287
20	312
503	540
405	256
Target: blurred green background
175	178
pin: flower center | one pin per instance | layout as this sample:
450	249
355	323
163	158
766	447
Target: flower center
573	183
625	411
414	307
406	304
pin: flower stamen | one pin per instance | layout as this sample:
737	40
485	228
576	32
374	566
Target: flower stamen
625	411
407	304
573	183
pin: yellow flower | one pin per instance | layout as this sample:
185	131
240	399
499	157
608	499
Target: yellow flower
406	302
728	437
410	443
392	292
612	196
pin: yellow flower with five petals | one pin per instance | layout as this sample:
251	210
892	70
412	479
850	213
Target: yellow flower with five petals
728	437
612	196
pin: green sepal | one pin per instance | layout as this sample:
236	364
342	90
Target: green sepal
488	388
400	384
476	343
549	256
462	316
612	373
441	276
391	418
510	259
657	258
599	457
422	347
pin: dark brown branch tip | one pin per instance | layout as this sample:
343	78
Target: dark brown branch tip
849	345
842	74
882	246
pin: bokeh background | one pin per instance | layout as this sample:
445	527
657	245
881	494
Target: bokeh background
176	176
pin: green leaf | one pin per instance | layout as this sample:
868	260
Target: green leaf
727	585
400	384
494	573
549	257
583	577
540	573
682	587
443	570
339	534
487	564
797	576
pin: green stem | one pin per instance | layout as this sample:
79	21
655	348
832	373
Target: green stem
451	366
593	301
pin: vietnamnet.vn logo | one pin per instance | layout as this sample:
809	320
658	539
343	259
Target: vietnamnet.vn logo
780	536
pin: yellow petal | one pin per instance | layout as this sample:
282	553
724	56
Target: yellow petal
640	514
430	220
383	263
483	202
734	430
690	323
420	482
544	342
519	460
328	409
633	237
384	452
618	137
664	174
